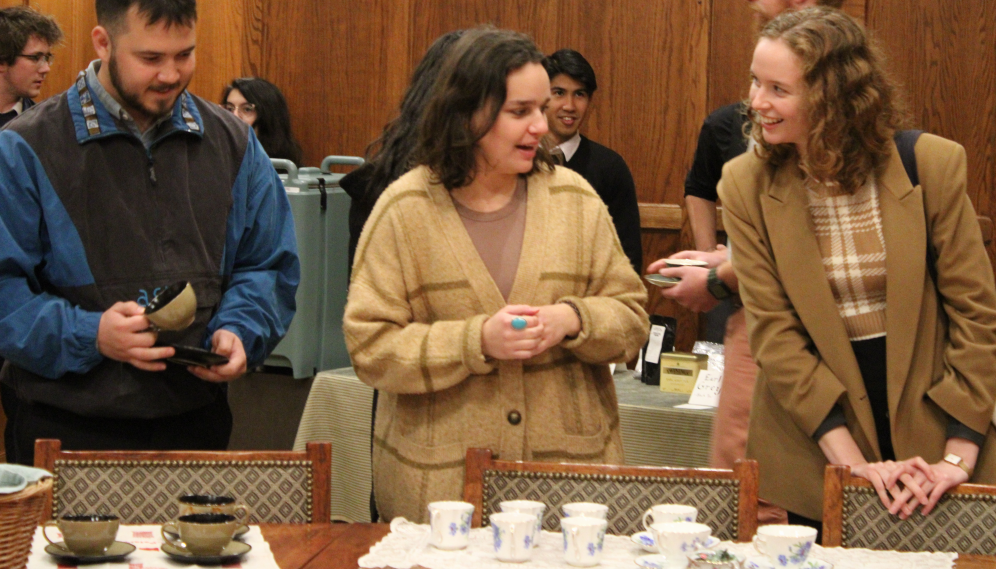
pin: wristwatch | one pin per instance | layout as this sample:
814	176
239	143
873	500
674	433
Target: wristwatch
960	463
716	286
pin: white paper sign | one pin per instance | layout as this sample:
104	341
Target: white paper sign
707	387
655	345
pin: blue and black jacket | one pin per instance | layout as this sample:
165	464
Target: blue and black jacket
89	216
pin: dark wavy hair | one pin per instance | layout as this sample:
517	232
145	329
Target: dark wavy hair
273	122
473	78
111	13
392	154
18	24
851	102
572	64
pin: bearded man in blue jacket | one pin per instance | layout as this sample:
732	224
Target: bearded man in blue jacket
111	191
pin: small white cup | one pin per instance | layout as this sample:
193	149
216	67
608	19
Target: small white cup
513	536
669	513
527	507
585	510
584	538
785	546
449	524
677	539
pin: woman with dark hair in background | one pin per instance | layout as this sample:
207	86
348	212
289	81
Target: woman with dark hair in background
390	155
870	300
261	105
489	292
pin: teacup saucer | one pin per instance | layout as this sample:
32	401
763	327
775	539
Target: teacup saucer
685	263
116	552
646	540
761	562
241	531
230	554
655	561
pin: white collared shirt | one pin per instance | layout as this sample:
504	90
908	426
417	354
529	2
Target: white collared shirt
570	147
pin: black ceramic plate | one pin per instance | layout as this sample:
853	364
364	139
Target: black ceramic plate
116	552
191	356
231	554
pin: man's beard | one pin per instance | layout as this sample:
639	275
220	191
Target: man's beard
133	100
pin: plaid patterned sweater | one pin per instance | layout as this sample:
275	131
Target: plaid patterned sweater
418	299
848	229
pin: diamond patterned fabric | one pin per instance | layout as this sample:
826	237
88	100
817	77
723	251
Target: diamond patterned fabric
965	523
627	497
146	492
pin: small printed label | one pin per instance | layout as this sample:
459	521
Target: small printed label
655	345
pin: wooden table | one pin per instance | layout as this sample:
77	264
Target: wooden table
340	546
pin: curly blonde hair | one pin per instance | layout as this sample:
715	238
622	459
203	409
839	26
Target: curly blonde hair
850	100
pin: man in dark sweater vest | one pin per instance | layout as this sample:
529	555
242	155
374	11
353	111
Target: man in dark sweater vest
113	190
26	41
572	86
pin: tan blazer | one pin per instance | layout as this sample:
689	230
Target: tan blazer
937	364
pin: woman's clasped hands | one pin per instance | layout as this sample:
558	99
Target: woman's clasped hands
503	337
905	485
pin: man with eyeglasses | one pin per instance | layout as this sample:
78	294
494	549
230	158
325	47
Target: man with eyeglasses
26	41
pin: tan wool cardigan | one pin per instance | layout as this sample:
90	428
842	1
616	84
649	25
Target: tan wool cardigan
419	296
940	356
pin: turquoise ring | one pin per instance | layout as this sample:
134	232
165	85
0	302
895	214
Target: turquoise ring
519	323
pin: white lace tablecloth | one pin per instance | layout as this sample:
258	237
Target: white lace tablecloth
147	539
407	546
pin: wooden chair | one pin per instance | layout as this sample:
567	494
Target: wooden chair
142	486
963	521
726	499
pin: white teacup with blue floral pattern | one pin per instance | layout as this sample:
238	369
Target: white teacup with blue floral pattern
584	539
449	524
677	539
669	513
585	510
527	507
514	533
785	546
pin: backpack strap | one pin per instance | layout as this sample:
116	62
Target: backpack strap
906	143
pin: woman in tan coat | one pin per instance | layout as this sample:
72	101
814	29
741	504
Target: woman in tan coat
866	358
489	290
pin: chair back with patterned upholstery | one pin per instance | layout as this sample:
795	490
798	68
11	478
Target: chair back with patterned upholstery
963	521
142	487
726	499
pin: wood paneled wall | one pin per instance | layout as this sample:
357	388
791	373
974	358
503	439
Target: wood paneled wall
662	66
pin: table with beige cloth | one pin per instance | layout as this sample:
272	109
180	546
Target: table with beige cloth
654	432
406	546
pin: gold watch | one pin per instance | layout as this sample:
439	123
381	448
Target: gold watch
960	463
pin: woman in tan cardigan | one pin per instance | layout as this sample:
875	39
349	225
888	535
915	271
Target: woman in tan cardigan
489	290
866	358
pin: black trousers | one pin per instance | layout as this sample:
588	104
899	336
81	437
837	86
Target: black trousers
206	428
871	360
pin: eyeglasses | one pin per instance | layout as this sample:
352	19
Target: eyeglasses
243	110
38	58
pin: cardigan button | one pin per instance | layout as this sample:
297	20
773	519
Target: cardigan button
514	417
